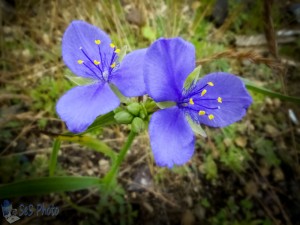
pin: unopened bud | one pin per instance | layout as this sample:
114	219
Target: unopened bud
138	125
143	113
123	117
134	108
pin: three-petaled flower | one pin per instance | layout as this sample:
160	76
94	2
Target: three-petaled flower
89	53
217	100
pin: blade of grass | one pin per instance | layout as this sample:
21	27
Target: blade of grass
101	121
267	92
46	185
90	142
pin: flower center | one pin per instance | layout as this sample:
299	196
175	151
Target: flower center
195	99
104	63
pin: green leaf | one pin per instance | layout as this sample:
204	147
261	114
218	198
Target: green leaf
164	105
79	80
46	185
123	53
251	86
150	106
53	158
101	121
196	127
192	77
90	142
118	93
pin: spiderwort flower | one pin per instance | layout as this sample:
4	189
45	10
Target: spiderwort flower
89	53
217	100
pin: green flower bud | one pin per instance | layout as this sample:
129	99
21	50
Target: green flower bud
143	112
123	117
138	125
134	108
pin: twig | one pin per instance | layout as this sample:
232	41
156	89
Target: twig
250	55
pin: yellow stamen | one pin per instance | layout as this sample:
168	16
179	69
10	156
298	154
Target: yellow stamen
96	62
191	101
97	42
112	45
201	113
79	61
203	92
211	116
219	99
117	51
113	65
210	84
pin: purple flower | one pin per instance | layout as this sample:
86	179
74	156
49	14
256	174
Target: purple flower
89	53
217	100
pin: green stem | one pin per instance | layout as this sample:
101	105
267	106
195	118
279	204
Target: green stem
111	175
53	158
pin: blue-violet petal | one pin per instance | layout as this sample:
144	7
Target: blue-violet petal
171	138
80	106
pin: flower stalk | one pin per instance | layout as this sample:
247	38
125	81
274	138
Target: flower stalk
112	173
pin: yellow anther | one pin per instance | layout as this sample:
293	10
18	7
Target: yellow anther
211	116
97	42
191	101
112	45
80	61
219	99
210	84
113	65
96	62
203	92
201	113
117	51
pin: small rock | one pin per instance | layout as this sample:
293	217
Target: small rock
90	172
46	39
278	174
269	101
104	165
241	142
264	171
277	103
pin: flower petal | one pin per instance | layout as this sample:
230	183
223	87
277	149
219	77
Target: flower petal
234	103
80	34
80	106
129	76
168	62
172	139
